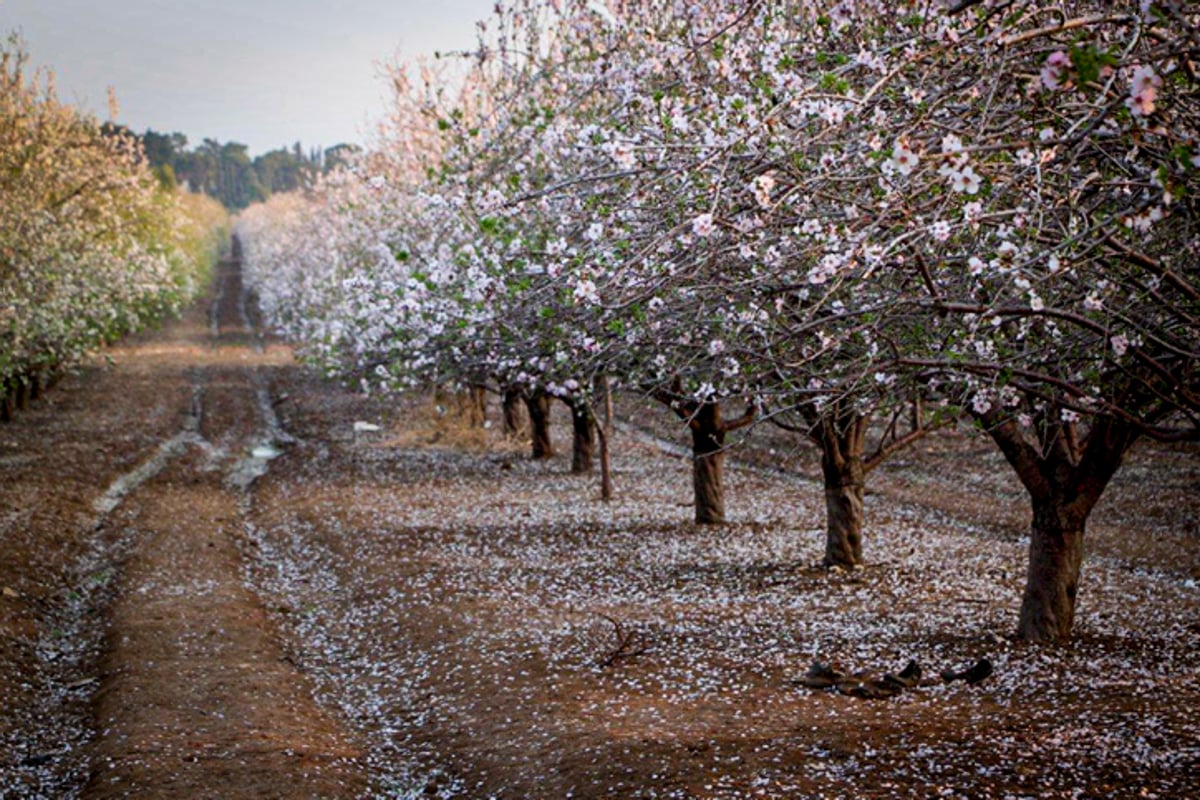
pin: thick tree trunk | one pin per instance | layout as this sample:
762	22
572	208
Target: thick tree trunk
1065	476
512	413
708	462
844	485
840	434
538	406
1052	583
583	452
708	450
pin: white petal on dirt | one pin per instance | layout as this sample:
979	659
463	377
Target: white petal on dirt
450	603
266	452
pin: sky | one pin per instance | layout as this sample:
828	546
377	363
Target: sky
265	73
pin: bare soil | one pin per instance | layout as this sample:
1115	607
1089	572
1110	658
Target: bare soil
135	660
406	607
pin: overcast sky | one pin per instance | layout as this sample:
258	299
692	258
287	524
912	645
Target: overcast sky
262	72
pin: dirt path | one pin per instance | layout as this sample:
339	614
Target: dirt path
196	690
190	687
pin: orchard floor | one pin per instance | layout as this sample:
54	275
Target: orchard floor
215	584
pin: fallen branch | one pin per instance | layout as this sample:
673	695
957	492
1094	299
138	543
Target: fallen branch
629	644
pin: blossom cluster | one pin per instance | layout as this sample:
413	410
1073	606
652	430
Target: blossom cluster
91	247
828	195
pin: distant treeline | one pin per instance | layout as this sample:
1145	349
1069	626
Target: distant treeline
226	172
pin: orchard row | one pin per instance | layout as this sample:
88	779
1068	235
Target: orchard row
851	218
91	247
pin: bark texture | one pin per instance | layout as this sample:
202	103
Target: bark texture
472	406
1064	476
606	483
538	406
708	464
1055	566
583	425
709	430
841	438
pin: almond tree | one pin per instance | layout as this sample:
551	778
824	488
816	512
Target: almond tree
991	201
1017	184
831	212
91	247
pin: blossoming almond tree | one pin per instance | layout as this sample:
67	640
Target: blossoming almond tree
1013	182
1070	288
833	211
90	246
1020	186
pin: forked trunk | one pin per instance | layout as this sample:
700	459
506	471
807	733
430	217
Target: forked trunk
1052	583
708	461
583	424
538	406
708	450
1065	476
512	413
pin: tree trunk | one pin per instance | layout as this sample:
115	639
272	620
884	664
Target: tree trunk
472	405
840	434
708	461
479	404
512	413
583	452
1052	583
708	449
604	389
538	405
1065	476
23	393
843	512
606	484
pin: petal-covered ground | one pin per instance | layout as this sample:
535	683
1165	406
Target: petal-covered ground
222	576
496	630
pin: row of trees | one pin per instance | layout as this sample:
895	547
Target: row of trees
91	247
227	172
864	218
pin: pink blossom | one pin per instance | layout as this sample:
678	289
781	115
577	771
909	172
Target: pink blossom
703	225
981	403
965	181
1054	71
903	159
763	185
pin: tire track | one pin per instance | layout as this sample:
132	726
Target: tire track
195	691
